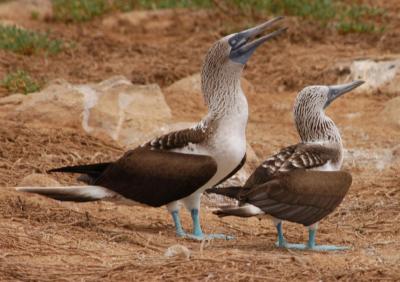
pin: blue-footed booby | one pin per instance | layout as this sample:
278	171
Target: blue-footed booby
303	182
179	166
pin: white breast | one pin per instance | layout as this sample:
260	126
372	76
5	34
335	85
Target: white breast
329	166
227	146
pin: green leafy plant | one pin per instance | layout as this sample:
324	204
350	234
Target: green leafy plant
85	10
344	17
20	82
27	42
164	4
78	10
359	19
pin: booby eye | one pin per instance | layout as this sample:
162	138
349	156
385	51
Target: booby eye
233	42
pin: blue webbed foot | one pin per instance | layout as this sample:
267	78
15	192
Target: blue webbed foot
310	246
286	245
209	237
318	248
327	248
198	233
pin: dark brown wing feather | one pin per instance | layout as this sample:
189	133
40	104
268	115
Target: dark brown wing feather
300	196
157	177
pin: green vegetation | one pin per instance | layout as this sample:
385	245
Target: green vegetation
165	4
27	42
316	9
344	17
360	19
20	82
85	10
78	10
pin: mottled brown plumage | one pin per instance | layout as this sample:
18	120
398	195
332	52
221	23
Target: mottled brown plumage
303	182
299	196
180	138
179	166
299	156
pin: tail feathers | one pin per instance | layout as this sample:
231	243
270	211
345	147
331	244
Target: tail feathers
246	210
231	192
93	170
71	193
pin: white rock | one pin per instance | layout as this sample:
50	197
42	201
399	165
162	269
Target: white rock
23	9
114	108
145	20
391	113
377	159
381	75
179	251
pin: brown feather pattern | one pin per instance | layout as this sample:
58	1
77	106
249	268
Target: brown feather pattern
179	139
299	156
300	196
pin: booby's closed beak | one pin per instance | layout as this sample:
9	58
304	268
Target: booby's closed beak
336	91
242	49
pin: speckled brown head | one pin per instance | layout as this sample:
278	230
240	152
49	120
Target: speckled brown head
224	62
311	122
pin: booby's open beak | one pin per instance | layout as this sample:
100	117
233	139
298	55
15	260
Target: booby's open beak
242	49
336	91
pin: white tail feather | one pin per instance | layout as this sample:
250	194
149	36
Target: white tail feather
71	193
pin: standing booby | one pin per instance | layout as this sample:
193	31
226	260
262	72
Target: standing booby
303	182
180	165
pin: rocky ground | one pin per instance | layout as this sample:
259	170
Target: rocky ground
129	73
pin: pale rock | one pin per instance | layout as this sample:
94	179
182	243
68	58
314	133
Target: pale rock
59	105
380	75
114	108
376	159
24	9
178	251
391	113
39	180
14	99
145	20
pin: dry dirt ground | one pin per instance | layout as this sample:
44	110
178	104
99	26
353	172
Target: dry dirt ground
44	240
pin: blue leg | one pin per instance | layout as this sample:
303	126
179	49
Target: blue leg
282	242
198	233
311	246
178	227
322	248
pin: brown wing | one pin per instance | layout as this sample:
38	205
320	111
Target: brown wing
180	138
157	177
300	196
299	156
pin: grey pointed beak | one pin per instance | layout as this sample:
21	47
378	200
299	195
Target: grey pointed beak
335	91
242	49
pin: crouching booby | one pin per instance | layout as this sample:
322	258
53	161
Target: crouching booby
303	182
180	165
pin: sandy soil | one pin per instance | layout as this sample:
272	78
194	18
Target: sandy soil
44	240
